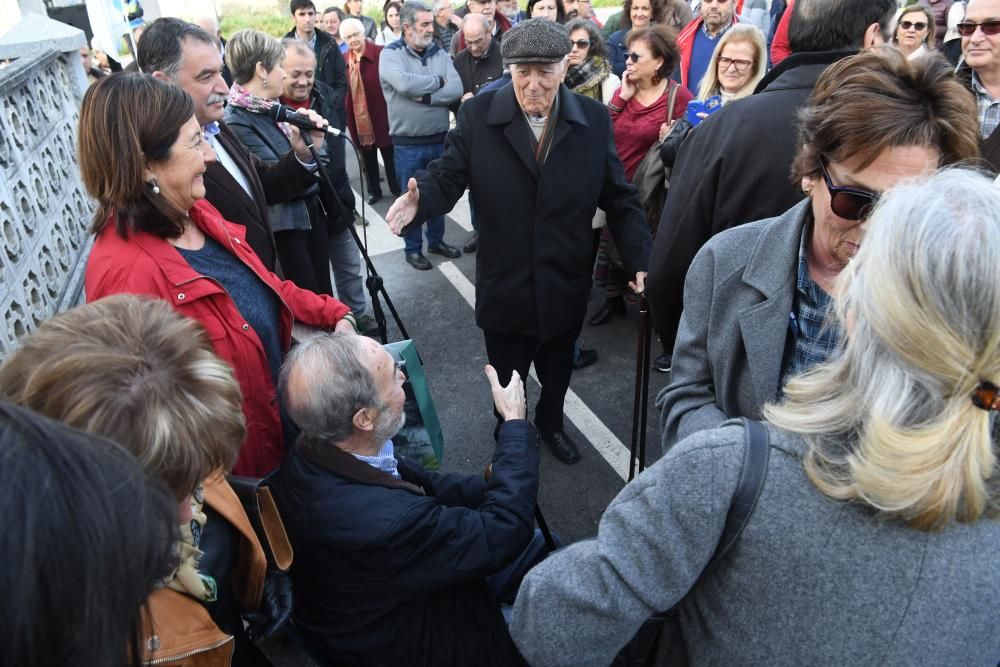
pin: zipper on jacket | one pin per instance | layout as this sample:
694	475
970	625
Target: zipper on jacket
188	654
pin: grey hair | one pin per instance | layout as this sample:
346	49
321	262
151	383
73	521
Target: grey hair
298	45
480	18
439	5
891	422
331	383
408	15
349	23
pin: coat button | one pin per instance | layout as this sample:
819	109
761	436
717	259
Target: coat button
246	327
153	643
180	297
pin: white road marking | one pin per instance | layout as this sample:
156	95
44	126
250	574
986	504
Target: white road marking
588	423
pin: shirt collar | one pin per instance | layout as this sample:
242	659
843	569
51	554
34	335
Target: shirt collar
704	29
978	87
385	460
212	128
803	283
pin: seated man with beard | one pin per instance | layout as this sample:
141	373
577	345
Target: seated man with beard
395	565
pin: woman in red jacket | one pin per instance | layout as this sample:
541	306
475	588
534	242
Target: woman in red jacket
367	116
156	235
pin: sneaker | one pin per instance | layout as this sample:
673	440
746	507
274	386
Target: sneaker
367	326
663	363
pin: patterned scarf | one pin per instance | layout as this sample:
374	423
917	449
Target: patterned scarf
244	99
587	77
186	578
366	134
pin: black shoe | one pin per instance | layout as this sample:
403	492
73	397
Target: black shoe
374	198
613	307
663	363
472	245
562	446
418	261
584	359
445	250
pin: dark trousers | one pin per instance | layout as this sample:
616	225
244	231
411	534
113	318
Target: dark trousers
553	361
305	258
370	157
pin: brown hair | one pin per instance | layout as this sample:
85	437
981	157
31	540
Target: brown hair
128	120
662	42
909	9
132	369
877	99
658	12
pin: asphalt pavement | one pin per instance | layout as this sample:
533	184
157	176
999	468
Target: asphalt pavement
436	309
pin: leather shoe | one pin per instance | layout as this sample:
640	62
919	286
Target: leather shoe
584	359
374	198
445	250
612	308
418	261
472	245
663	363
562	446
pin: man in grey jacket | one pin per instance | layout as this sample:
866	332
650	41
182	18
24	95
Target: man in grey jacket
420	83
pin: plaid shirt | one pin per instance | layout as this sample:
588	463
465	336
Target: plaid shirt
814	341
385	460
989	109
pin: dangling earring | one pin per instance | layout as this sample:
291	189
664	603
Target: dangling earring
266	84
154	186
657	79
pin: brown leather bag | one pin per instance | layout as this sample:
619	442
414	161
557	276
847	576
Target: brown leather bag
258	501
651	178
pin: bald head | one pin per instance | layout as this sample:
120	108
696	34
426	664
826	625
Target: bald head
476	28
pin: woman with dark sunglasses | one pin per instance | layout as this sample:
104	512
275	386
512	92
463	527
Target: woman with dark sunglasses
914	33
756	296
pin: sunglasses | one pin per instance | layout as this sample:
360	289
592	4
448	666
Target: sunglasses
918	26
633	56
849	203
740	65
968	28
581	44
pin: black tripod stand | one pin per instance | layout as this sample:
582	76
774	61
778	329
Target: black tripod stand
374	282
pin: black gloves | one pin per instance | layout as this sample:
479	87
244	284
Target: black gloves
275	606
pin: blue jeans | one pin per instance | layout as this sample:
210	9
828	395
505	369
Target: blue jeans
410	160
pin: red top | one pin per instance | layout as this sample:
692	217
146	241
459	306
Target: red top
638	127
685	40
149	265
780	48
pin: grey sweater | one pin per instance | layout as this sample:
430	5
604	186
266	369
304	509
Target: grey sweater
811	581
418	90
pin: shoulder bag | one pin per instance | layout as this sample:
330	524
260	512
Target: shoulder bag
651	178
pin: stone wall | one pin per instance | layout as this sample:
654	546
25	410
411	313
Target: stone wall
44	211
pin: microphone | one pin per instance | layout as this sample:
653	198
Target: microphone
282	114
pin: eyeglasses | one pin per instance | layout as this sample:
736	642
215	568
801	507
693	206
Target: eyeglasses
581	44
968	28
633	56
849	203
918	26
740	65
400	364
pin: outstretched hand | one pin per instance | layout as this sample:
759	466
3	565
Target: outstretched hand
509	400
404	209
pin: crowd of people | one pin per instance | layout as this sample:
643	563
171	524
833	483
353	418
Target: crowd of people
812	193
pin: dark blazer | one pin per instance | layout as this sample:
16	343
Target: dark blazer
477	72
533	270
332	71
734	168
269	184
374	96
391	571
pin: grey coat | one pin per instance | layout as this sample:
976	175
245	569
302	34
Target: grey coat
260	134
738	296
810	581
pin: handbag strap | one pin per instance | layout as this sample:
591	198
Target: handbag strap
748	490
671	100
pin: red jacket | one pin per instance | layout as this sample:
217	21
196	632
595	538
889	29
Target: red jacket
147	264
780	48
685	43
372	85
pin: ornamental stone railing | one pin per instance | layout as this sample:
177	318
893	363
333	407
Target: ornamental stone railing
44	211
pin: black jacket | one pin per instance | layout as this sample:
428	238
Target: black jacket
391	571
533	269
477	72
324	100
989	148
732	169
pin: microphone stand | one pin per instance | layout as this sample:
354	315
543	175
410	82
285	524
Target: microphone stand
374	282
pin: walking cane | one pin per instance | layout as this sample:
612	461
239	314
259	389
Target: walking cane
640	407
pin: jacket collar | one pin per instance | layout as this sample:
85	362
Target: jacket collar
795	71
779	239
335	460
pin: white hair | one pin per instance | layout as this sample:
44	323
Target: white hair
347	24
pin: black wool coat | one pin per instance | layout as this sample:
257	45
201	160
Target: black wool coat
534	264
732	169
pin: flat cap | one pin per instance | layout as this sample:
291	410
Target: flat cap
535	41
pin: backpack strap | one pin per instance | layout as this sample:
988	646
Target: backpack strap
755	458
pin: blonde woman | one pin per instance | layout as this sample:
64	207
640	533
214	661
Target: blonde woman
737	65
875	537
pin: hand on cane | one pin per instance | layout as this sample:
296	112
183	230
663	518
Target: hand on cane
404	209
639	284
510	401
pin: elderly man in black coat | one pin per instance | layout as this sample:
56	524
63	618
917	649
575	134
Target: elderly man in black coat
538	160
